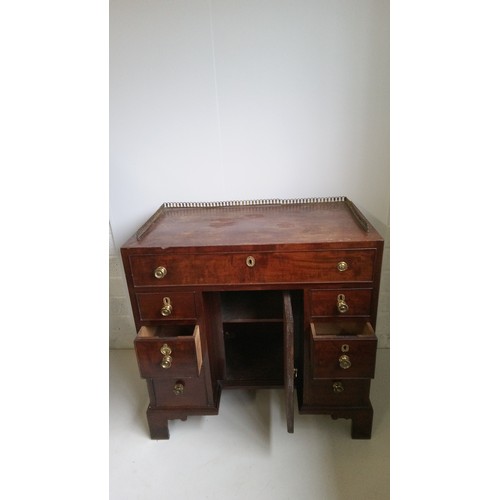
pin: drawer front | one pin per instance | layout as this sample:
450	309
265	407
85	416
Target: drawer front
180	393
325	303
162	353
337	392
253	267
345	356
152	306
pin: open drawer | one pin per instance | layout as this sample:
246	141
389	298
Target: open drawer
343	349
169	351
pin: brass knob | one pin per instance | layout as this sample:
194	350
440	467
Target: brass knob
344	361
178	388
160	272
166	310
250	261
342	266
341	303
338	387
166	362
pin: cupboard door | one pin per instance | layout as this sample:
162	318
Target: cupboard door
289	372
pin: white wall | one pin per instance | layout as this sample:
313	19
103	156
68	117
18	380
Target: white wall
246	99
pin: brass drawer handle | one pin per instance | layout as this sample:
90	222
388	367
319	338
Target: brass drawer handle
344	361
342	266
160	272
166	361
342	304
166	310
250	261
178	388
338	387
165	349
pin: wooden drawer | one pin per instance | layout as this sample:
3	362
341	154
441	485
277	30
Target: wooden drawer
253	267
169	351
183	306
324	302
343	349
180	393
337	392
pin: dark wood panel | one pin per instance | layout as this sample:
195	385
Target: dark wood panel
288	359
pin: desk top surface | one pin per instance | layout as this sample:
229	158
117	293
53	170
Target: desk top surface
285	223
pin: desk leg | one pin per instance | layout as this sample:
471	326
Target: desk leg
158	424
361	427
361	421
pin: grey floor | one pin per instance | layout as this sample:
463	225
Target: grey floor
244	452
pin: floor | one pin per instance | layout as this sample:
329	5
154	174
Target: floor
245	452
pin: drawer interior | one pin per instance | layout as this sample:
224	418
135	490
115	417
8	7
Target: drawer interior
341	328
169	331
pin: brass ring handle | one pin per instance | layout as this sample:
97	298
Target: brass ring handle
178	388
344	361
342	266
160	272
342	304
166	310
250	261
165	350
166	362
338	387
